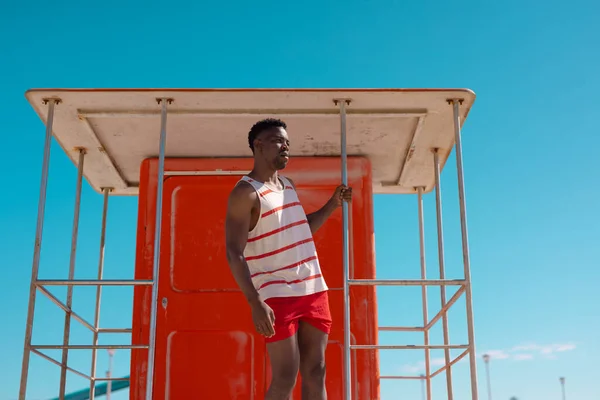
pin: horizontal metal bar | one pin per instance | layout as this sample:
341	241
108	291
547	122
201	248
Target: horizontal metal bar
53	361
401	329
446	307
457	359
205	173
90	346
420	378
407	282
334	112
407	347
111	379
115	330
94	282
64	307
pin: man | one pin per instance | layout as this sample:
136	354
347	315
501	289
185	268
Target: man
274	261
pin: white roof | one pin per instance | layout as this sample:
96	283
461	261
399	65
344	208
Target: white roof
395	128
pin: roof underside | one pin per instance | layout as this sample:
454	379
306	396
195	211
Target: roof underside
395	128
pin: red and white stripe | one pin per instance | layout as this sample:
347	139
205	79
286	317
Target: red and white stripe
280	251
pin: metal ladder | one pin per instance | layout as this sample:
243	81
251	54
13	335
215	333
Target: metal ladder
464	284
37	285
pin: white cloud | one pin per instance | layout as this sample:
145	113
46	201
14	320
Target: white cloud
527	351
523	357
498	354
522	352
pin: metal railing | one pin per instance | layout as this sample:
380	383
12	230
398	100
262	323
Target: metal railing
39	285
463	284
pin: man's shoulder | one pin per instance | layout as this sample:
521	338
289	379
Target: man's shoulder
242	196
243	189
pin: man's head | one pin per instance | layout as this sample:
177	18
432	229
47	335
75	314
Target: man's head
269	143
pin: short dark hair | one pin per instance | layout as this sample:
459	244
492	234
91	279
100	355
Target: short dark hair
261	126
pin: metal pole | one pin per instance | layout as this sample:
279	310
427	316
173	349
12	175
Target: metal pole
111	353
486	359
440	233
562	384
99	293
465	245
345	255
69	302
157	227
427	376
36	249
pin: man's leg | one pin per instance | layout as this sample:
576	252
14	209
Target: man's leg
285	359
312	343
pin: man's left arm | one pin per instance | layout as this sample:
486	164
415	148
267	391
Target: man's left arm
317	219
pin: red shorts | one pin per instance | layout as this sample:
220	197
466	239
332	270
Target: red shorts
289	311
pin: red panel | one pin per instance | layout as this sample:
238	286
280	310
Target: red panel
206	343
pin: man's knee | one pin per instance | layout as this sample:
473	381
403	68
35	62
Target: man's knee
284	379
314	373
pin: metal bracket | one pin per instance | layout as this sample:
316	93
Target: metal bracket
47	100
337	101
168	99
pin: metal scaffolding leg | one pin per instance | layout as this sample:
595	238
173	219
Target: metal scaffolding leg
346	254
98	294
69	302
159	196
465	246
37	248
427	377
440	233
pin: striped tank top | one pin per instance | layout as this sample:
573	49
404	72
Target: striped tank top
280	252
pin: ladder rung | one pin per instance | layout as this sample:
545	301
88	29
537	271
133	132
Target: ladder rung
402	328
94	282
407	282
89	346
114	330
401	377
409	346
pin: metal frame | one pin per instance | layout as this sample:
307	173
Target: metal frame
39	285
464	284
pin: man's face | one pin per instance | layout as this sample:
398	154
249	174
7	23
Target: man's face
274	146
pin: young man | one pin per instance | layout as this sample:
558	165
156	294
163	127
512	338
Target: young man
274	261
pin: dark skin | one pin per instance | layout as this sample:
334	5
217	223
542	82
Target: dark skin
304	352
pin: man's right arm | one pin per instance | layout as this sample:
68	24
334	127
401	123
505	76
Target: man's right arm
237	223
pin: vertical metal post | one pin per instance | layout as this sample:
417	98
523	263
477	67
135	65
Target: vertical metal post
98	294
37	249
486	359
157	225
562	384
111	353
346	255
427	377
465	246
69	302
440	233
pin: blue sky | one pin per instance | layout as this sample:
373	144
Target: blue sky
530	167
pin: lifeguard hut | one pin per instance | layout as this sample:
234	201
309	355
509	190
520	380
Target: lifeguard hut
181	151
